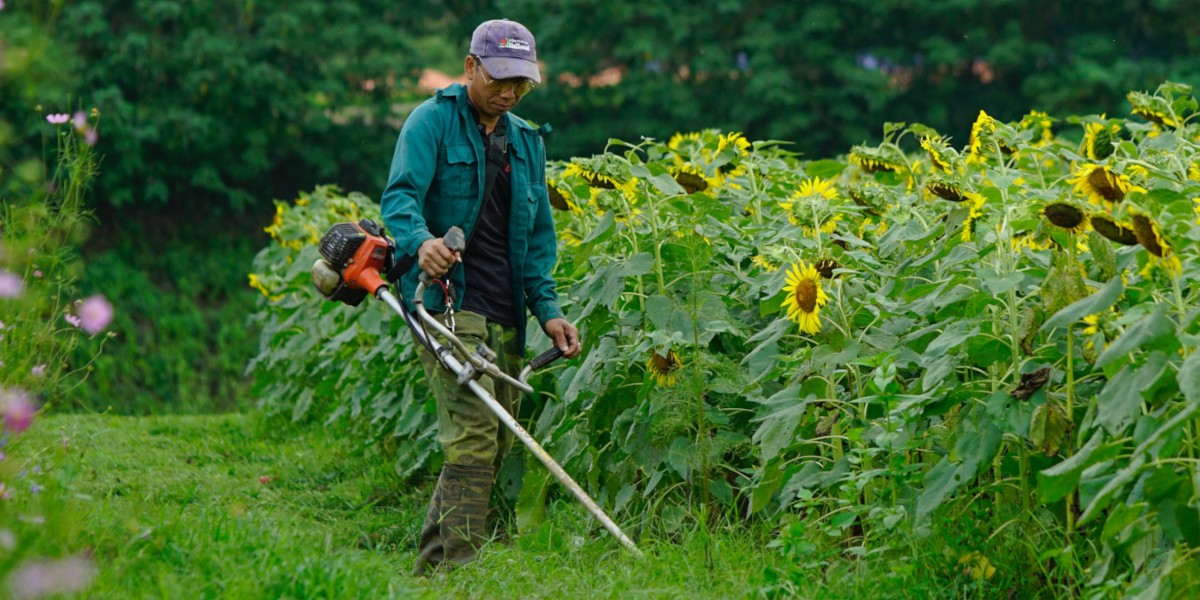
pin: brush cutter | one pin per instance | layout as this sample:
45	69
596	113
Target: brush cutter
355	258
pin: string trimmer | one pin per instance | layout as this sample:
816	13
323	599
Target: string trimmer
355	257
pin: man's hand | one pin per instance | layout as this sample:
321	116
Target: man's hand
565	336
435	258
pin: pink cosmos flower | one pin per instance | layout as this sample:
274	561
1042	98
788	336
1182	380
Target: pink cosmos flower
18	409
95	314
72	319
38	371
58	118
11	285
91	137
79	121
51	577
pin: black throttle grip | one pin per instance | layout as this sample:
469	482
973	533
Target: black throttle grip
545	358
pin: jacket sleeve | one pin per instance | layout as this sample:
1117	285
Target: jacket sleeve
540	294
413	166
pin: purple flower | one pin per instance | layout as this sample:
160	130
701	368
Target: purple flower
49	577
57	118
37	273
72	319
38	371
95	314
2	456
34	488
11	285
91	137
79	121
18	409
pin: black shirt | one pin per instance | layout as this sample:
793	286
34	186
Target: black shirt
485	262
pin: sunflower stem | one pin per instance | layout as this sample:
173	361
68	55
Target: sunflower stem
1070	500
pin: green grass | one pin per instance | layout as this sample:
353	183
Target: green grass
177	506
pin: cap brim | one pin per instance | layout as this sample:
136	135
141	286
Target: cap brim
500	67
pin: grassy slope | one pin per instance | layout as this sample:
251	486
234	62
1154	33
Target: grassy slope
174	507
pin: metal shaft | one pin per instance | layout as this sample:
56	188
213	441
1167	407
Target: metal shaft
534	447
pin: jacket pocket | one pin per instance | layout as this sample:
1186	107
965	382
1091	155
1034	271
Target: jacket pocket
456	177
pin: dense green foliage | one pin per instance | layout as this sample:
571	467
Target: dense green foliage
228	103
943	371
820	74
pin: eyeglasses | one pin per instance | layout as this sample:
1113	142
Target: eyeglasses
519	85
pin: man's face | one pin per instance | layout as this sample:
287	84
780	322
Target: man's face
493	97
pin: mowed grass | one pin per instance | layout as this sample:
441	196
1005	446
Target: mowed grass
240	506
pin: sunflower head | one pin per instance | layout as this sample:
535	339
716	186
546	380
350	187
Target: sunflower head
664	368
1147	234
1065	215
868	197
877	159
804	297
1152	108
946	190
1098	139
1042	126
826	267
938	151
690	177
1118	232
1102	186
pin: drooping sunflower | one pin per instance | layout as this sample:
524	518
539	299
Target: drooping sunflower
764	262
983	133
692	178
1150	237
875	160
938	150
805	297
1098	140
826	267
1066	215
1102	187
975	211
664	369
1120	233
1152	108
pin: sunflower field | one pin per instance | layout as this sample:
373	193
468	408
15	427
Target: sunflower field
987	350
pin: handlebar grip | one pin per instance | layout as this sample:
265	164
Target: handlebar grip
545	358
455	239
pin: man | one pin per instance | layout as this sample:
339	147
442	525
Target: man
463	160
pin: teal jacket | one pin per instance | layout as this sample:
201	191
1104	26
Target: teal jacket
436	182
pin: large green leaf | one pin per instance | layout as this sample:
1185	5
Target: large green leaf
1091	305
1150	329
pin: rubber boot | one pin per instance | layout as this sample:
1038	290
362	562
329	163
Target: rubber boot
429	546
464	507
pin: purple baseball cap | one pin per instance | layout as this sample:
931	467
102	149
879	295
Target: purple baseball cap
507	50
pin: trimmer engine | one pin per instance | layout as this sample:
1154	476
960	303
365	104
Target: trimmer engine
354	256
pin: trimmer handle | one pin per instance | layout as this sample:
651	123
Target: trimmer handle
545	358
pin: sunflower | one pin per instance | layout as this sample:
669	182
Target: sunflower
1194	171
1065	215
1152	108
804	297
814	189
949	191
1120	233
982	132
1041	124
1026	239
976	211
867	197
936	147
560	197
692	178
1150	237
1101	186
874	160
826	267
664	369
764	262
1098	140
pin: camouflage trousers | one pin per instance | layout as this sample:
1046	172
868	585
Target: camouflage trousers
471	434
475	444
